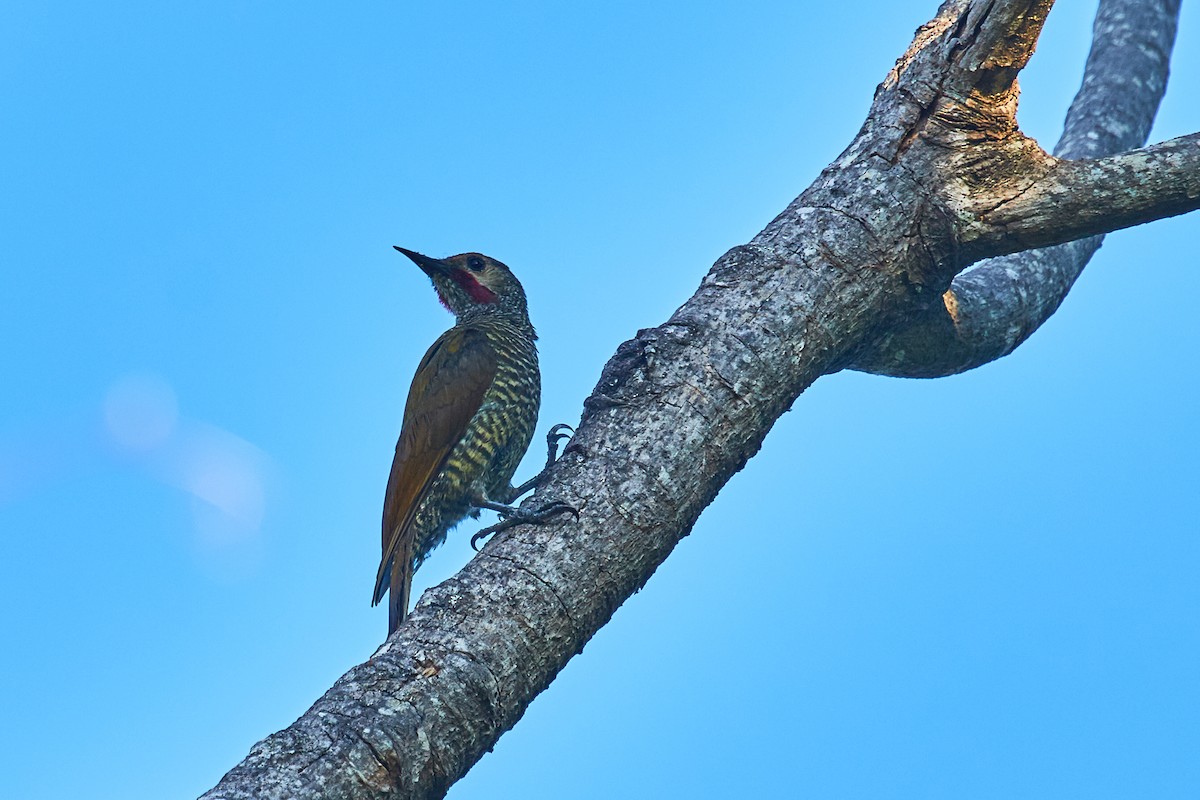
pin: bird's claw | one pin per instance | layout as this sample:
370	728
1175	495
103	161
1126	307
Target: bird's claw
557	507
520	517
555	435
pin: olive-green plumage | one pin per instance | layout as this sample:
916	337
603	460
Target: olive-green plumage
470	415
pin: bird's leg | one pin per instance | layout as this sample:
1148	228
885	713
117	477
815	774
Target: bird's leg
499	508
511	517
555	436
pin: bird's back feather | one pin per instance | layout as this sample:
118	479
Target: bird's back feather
447	391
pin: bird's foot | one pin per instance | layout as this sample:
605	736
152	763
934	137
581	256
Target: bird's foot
519	516
556	435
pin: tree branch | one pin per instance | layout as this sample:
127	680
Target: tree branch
995	306
1075	199
677	411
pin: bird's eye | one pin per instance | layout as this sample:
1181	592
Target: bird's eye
475	263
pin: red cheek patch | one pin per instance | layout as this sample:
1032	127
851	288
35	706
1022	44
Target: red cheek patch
479	293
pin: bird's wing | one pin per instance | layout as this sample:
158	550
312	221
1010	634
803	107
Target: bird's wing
447	390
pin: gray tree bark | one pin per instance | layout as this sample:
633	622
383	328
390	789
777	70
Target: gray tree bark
996	305
859	271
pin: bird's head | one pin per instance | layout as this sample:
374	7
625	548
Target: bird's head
472	285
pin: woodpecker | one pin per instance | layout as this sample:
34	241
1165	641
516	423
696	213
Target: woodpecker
470	416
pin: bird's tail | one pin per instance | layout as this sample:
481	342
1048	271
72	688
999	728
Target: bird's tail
395	577
398	591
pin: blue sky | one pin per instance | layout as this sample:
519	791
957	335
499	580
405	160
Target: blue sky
982	586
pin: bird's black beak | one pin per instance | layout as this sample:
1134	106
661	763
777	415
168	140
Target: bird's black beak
430	266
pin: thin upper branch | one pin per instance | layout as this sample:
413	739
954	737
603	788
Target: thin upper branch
1075	199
